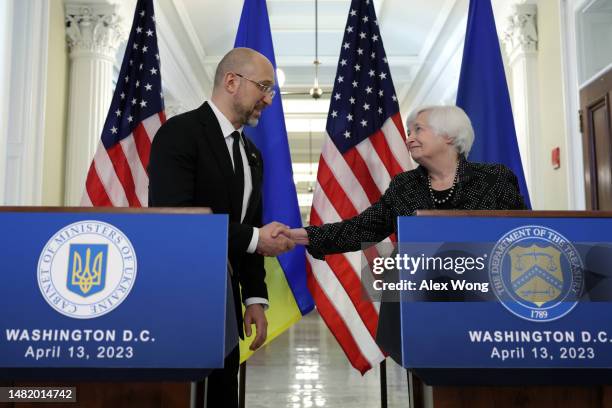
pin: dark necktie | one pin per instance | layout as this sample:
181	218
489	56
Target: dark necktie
238	185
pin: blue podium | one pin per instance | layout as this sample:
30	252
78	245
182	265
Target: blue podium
494	301
113	295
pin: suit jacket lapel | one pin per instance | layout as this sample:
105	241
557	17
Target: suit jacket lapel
214	136
468	187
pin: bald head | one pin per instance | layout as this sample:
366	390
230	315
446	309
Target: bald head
240	60
243	87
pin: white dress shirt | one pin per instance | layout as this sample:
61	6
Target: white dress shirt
227	129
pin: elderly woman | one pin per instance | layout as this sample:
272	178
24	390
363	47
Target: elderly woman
439	140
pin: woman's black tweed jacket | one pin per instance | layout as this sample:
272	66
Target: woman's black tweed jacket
479	187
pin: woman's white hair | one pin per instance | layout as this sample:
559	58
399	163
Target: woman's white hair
451	121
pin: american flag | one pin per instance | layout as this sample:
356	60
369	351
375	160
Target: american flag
364	149
117	176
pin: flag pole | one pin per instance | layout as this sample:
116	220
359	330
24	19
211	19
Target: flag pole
383	384
242	385
415	391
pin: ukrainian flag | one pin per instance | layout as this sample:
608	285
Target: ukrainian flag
286	274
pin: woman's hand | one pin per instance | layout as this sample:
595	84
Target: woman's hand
298	235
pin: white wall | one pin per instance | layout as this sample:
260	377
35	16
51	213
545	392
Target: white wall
6	11
24	141
56	108
552	185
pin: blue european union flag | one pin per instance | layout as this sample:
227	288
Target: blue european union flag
483	94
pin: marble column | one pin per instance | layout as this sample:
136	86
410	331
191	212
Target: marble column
521	44
94	33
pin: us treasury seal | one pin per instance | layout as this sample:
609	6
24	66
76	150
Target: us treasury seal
86	269
536	273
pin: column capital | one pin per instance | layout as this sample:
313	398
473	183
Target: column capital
93	29
521	33
174	108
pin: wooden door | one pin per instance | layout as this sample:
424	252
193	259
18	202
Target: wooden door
596	128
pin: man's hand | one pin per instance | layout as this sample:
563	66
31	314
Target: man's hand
254	314
273	239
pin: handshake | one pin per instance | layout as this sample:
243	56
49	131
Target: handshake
276	238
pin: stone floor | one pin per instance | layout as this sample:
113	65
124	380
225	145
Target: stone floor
305	367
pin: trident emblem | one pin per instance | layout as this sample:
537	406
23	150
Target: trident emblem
87	268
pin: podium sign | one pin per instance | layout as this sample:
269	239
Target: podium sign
112	290
543	299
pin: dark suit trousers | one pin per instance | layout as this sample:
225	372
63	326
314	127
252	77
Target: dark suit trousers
222	384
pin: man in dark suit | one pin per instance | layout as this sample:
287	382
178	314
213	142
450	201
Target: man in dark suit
202	159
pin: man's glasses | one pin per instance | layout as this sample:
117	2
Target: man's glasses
267	89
